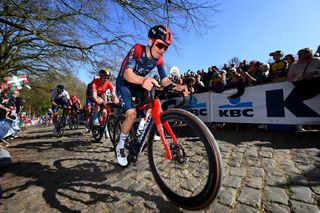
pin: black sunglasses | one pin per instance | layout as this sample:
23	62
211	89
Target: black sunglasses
161	46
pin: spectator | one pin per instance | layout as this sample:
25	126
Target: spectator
305	74
317	53
4	110
5	104
289	59
255	75
218	82
245	66
265	69
199	85
226	67
278	67
209	77
229	73
238	82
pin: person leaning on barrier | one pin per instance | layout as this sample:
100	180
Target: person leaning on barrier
255	75
218	82
238	82
305	74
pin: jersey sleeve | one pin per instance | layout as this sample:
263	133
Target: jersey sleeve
66	94
161	68
133	56
94	87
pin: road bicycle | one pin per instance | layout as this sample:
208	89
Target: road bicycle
106	123
186	163
60	123
73	119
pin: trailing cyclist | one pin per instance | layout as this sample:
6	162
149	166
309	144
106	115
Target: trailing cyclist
132	80
99	86
75	104
59	97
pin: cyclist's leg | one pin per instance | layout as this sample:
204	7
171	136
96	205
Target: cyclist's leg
55	109
131	114
96	109
105	116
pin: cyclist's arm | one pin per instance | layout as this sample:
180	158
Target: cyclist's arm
67	96
53	95
54	103
166	82
80	106
131	77
178	87
95	94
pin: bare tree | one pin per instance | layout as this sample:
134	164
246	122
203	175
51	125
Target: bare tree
43	37
234	60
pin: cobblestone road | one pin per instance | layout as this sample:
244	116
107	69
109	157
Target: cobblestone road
263	172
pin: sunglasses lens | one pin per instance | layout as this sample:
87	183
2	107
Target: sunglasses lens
161	46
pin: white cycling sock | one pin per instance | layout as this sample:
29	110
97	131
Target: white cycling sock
122	140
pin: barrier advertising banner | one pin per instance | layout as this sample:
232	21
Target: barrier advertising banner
275	103
199	105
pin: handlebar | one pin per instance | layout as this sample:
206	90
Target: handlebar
166	90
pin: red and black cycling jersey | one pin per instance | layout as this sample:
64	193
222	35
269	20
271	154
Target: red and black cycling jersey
75	100
98	87
141	65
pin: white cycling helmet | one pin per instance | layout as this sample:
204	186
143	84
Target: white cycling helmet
174	71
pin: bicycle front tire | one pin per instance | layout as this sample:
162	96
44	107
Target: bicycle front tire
192	179
112	122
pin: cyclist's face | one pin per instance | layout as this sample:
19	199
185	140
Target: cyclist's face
103	78
158	48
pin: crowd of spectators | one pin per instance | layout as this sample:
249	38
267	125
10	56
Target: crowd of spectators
303	70
243	74
10	108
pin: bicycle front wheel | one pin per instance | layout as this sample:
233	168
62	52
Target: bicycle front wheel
112	120
61	126
192	179
97	133
76	121
71	122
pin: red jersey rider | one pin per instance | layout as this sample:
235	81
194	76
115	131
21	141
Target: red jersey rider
98	93
76	104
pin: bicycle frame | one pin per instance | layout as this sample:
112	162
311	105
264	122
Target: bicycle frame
155	106
155	113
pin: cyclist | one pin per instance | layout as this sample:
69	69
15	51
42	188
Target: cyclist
59	97
75	103
99	87
132	80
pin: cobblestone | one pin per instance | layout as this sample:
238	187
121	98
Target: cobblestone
263	172
250	196
277	195
227	196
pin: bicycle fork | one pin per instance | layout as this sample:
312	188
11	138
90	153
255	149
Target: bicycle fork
157	121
